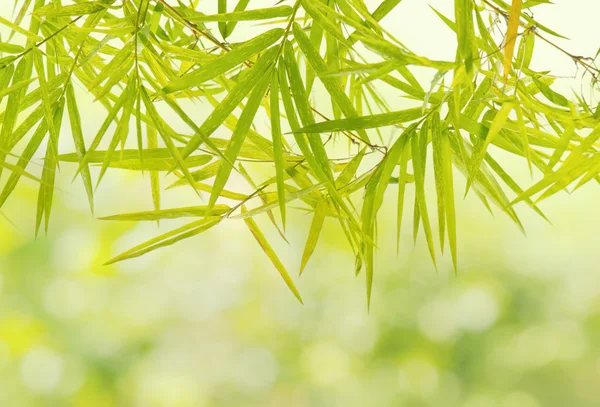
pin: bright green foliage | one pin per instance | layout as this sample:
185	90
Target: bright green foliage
143	58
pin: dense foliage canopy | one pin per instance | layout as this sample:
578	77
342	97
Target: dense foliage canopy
143	58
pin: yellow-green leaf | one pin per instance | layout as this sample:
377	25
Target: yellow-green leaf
264	244
227	61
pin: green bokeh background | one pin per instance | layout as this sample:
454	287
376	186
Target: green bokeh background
208	322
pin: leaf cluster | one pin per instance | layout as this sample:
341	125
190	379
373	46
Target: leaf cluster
144	60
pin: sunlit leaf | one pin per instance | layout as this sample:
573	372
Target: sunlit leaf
264	244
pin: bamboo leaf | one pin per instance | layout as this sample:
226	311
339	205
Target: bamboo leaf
480	149
80	9
238	137
448	180
364	122
152	137
439	157
313	234
373	200
222	8
419	170
187	212
46	190
324	21
167	239
402	181
331	84
231	101
167	134
350	170
247	15
264	244
463	12
78	141
277	144
230	60
551	95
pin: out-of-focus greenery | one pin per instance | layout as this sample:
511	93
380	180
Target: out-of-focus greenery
209	325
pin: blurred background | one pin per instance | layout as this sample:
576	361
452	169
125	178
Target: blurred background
208	322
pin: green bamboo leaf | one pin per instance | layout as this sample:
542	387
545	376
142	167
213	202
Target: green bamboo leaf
110	117
154	158
7	90
481	148
350	170
439	174
373	200
167	134
230	60
463	12
264	244
240	6
316	38
19	169
525	138
114	67
416	220
152	138
20	172
419	169
78	140
305	112
10	48
47	104
22	72
6	74
318	160
333	86
277	144
512	184
384	8
231	101
122	130
445	19
115	78
445	152
365	122
313	234
247	15
264	197
238	137
568	177
485	185
565	139
292	118
551	95
526	47
403	179
222	9
324	21
299	194
80	9
16	28
388	50
46	190
187	212
167	239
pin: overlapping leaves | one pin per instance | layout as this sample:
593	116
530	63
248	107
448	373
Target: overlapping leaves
142	59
